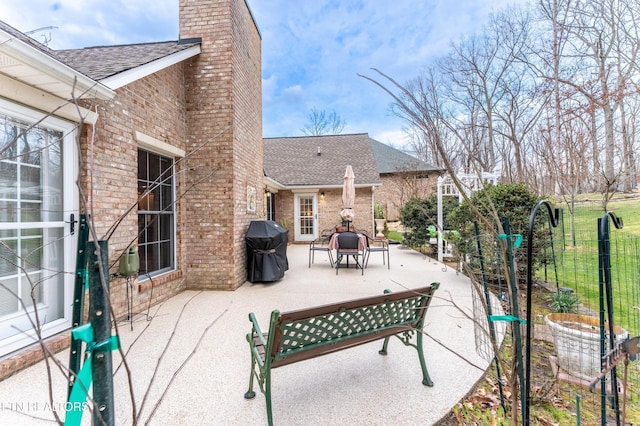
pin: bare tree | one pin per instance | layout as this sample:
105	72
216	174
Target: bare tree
601	48
420	115
323	123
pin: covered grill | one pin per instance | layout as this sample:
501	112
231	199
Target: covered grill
266	251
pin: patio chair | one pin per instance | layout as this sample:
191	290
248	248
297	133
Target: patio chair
377	245
348	246
321	244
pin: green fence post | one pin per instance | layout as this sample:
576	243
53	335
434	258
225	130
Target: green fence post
100	318
606	303
78	299
515	310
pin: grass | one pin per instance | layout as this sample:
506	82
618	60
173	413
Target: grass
578	264
578	267
394	236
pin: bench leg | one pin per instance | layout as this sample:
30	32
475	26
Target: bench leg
383	351
267	394
250	394
426	380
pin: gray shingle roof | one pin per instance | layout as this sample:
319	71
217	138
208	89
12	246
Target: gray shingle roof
25	38
391	160
101	62
294	161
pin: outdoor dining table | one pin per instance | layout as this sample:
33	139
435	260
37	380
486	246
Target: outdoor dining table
362	246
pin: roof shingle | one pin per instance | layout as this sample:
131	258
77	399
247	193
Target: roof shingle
320	160
101	62
391	160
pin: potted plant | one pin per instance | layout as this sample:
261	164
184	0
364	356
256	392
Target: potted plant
576	337
378	216
343	225
564	301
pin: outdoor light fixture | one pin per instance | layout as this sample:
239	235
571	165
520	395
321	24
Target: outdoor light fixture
322	195
267	192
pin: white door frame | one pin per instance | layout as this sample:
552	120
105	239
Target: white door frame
69	193
301	232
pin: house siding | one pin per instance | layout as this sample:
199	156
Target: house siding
154	106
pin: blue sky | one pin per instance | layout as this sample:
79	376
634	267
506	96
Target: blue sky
312	50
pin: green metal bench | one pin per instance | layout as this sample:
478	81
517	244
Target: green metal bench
308	333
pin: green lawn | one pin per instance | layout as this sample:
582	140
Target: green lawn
577	265
395	236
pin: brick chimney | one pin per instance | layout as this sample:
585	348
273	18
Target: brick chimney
224	141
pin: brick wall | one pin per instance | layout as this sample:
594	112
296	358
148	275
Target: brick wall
211	107
328	210
399	188
224	140
155	106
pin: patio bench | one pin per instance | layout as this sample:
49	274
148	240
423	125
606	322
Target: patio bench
312	332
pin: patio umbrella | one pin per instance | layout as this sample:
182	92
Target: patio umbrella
348	195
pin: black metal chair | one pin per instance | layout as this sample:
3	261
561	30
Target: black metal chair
321	244
377	245
348	246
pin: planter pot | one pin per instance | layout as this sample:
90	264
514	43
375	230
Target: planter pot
577	342
379	228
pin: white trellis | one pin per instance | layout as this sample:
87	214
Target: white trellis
471	183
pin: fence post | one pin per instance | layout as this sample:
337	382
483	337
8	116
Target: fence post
515	310
554	217
100	318
78	300
606	302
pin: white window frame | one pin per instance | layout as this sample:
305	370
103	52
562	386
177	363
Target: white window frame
69	205
167	154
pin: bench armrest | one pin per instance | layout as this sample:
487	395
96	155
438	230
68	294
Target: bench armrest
255	330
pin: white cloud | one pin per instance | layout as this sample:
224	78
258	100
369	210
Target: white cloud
311	50
395	138
293	93
82	23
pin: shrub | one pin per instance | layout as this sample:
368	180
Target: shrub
514	201
420	217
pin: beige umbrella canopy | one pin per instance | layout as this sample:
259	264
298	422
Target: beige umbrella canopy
348	194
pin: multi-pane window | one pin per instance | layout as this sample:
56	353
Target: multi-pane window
306	215
32	225
156	215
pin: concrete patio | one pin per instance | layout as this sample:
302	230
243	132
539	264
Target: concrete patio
190	360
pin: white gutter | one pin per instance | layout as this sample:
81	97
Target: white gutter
26	54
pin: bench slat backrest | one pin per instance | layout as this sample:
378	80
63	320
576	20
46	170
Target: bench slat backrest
307	333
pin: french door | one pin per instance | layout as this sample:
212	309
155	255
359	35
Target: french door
306	216
37	199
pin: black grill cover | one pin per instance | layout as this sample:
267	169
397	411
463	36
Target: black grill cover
266	251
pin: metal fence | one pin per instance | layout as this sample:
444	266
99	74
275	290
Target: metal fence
585	289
